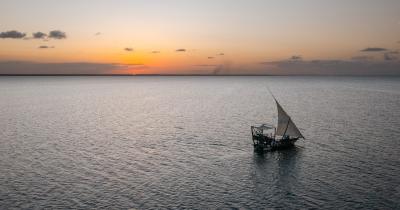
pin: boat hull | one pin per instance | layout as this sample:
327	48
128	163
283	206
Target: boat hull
275	145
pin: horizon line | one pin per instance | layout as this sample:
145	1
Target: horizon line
150	75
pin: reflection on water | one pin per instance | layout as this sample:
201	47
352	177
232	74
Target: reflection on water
276	172
185	142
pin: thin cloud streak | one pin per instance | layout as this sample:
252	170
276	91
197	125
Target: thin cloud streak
373	49
362	58
128	49
45	47
205	65
331	67
296	57
26	67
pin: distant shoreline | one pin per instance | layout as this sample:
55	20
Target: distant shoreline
189	75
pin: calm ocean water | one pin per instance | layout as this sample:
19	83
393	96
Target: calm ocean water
185	142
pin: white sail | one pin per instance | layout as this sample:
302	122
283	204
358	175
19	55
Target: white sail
285	125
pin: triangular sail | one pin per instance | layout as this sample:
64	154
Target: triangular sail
285	125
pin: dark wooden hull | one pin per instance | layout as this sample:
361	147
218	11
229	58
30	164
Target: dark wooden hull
275	145
284	144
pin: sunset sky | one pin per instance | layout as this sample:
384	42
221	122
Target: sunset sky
200	37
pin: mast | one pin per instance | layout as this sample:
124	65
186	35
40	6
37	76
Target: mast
286	127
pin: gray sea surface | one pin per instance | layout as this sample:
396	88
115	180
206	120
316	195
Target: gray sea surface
185	143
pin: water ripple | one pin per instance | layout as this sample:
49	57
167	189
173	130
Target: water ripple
184	143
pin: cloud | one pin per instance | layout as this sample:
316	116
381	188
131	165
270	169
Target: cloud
181	50
218	69
205	65
373	49
155	52
39	35
128	49
362	58
296	57
26	67
210	57
224	68
12	35
57	34
331	67
45	47
390	56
